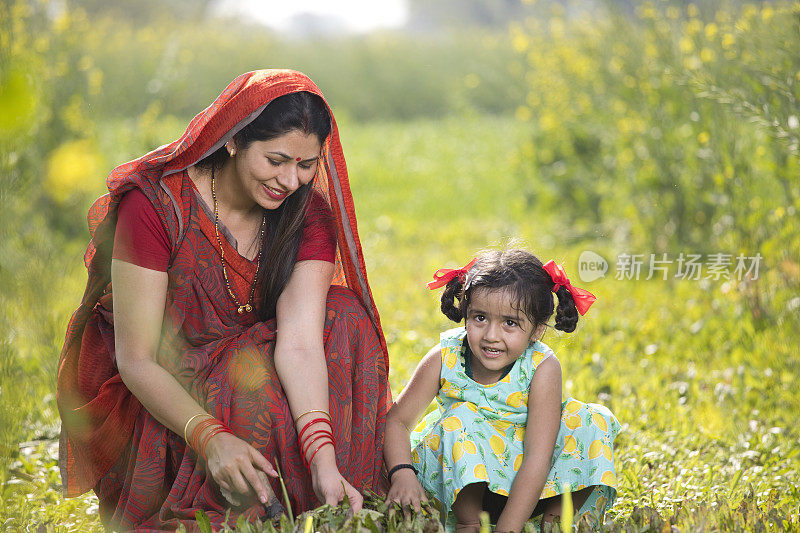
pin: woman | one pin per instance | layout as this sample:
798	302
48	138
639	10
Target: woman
241	334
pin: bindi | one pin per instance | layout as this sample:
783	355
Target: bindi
297	159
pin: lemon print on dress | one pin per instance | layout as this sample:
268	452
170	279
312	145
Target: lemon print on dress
445	386
502	492
517	462
450	359
609	479
469	447
458	451
498	445
519	434
433	442
501	425
571	446
537	357
414	456
549	489
599	421
573	421
480	472
601	503
451	423
420	426
516	399
596	449
572	407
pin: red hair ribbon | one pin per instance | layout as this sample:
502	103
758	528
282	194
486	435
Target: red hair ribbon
443	276
583	298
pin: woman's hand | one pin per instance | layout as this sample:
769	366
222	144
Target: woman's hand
406	489
233	464
329	484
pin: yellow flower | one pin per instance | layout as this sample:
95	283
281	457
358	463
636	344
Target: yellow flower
75	166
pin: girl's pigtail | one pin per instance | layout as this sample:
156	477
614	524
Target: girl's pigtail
450	301
566	312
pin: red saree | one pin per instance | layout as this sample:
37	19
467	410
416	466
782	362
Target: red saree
144	475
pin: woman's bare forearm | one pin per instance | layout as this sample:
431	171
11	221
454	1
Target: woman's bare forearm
160	393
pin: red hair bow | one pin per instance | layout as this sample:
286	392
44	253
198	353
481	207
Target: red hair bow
443	276
583	298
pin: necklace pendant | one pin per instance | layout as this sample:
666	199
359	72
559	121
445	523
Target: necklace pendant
247	308
240	310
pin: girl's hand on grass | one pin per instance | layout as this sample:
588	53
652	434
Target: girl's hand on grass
406	489
233	464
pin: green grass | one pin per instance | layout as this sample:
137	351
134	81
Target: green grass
705	391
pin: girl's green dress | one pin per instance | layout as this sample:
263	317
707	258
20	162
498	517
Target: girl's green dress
477	435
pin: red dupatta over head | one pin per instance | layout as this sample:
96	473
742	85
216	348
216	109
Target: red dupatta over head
88	394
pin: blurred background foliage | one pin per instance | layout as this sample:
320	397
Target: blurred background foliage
617	126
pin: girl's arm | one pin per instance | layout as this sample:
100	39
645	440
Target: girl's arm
138	317
303	370
402	417
544	414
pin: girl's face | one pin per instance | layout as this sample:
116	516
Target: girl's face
269	171
497	332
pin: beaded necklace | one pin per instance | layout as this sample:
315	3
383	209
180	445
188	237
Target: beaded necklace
246	307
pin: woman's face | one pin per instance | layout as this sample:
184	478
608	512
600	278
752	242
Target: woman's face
269	171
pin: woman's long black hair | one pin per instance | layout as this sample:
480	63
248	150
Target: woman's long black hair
300	111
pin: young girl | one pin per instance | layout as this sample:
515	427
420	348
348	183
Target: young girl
502	440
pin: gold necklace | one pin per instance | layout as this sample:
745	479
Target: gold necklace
246	308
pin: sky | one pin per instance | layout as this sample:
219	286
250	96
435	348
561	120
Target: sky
355	15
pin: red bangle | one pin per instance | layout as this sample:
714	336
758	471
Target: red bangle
197	432
315	421
211	434
308	463
320	433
